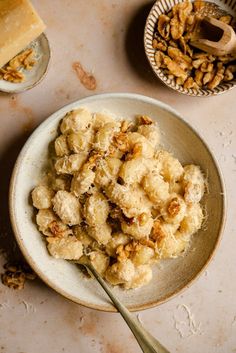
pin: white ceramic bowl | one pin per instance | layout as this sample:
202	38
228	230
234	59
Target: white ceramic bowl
169	278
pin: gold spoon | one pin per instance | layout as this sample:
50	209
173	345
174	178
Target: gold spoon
214	37
146	341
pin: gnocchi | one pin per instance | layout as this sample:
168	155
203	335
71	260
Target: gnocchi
70	164
138	229
115	196
80	141
156	188
67	207
76	120
96	209
82	181
61	147
68	248
42	197
193	183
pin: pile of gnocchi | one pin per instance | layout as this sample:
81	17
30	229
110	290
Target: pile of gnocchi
114	195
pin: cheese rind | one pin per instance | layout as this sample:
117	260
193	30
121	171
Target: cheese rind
19	25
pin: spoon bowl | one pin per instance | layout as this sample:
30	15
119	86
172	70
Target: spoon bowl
214	37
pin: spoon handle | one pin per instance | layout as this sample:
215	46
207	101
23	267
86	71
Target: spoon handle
146	341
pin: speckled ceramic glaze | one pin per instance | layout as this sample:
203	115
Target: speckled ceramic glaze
164	6
171	276
38	71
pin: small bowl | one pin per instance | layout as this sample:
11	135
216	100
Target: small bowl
162	7
34	76
172	275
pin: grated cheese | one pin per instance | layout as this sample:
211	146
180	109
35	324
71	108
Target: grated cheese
189	327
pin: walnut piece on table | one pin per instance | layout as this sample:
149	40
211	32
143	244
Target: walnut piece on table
16	274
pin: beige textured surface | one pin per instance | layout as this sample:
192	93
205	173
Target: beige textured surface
105	37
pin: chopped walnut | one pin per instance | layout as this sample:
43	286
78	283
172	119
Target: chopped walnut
199	77
180	80
125	126
11	75
190	83
176	28
121	141
159	45
148	243
207	67
13	280
126	251
94	159
142	219
24	59
198	5
164	26
183	44
182	10
228	75
198	62
58	229
174	207
217	78
159	58
145	120
204	56
174	68
10	72
16	274
208	77
122	254
173	43
136	152
190	21
157	232
189	51
184	61
133	246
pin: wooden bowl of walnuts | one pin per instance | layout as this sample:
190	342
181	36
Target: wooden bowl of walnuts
179	65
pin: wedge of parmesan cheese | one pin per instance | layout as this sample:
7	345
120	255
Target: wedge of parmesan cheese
19	25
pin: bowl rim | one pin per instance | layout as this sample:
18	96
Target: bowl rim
49	52
200	93
12	192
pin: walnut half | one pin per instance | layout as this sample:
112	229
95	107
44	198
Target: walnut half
11	75
16	274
